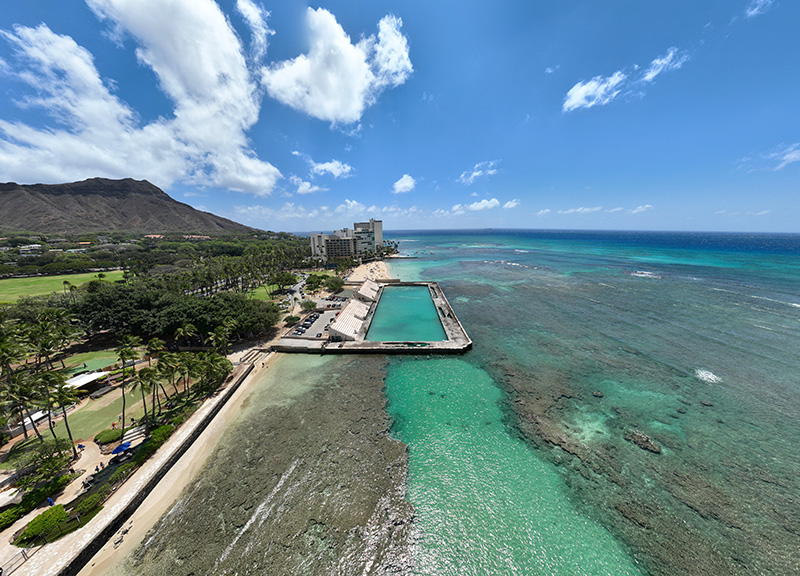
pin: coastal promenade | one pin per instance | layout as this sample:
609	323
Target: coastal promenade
192	441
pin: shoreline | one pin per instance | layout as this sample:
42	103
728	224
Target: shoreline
169	490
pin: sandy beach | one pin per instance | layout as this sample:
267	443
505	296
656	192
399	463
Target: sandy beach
376	271
173	484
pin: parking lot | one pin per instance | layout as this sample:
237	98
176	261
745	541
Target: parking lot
314	326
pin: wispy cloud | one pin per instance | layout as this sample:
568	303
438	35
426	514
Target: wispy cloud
544	212
640	209
598	91
602	90
512	204
785	155
405	184
342	214
757	7
480	170
672	60
581	210
337	80
256	17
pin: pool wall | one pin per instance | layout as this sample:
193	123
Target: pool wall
457	341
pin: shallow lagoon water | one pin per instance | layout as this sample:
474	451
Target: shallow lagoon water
689	340
486	504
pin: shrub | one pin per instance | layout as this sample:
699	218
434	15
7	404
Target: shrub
292	319
44	523
157	438
121	472
108	436
88	504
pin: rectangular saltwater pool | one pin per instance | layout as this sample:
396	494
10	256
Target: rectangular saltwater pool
406	314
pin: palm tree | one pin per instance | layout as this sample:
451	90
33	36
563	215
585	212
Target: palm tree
64	395
21	394
186	332
168	367
145	380
213	368
126	351
186	368
46	382
154	346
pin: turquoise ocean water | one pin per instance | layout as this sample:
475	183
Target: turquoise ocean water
523	453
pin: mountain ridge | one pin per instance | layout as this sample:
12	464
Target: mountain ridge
104	205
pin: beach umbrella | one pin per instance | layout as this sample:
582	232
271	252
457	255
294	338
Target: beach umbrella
121	448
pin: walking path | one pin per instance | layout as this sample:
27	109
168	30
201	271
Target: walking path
51	559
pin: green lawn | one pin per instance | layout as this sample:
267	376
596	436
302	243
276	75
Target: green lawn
89	420
94	361
11	289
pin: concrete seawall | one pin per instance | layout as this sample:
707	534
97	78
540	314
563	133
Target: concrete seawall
102	534
457	341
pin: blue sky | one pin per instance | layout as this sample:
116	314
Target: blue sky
286	115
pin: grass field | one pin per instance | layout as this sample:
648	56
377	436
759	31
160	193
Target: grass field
11	289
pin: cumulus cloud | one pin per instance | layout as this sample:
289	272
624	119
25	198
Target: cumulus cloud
602	90
544	212
405	184
672	60
484	204
757	7
511	204
200	67
304	187
334	167
480	170
337	80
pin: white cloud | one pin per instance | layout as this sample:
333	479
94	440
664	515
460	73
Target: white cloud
199	62
757	7
484	204
337	80
672	60
334	168
617	209
640	209
405	184
480	170
785	156
581	210
304	187
601	90
511	204
597	91
341	215
544	212
551	69
256	17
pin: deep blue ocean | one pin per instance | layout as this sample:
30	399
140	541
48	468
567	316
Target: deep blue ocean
631	404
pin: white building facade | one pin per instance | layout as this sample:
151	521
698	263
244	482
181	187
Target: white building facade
364	240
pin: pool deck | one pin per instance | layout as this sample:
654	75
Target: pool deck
457	340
